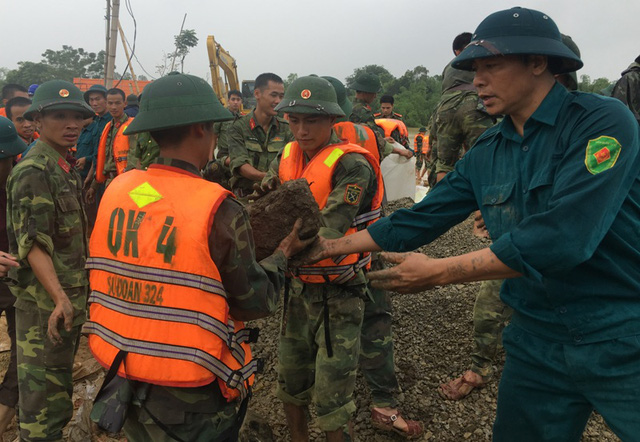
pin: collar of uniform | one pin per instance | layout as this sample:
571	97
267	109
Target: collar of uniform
40	147
546	113
364	103
163	163
104	117
253	123
333	140
121	120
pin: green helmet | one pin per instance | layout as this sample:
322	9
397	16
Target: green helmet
58	95
177	100
341	93
366	82
519	31
95	88
422	129
568	41
310	95
10	143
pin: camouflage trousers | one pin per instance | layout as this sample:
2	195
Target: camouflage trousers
305	371
376	348
490	315
45	376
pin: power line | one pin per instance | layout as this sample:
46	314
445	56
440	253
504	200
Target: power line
135	36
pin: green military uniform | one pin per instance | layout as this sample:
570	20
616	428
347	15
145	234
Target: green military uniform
627	89
110	163
417	151
217	170
393	116
200	413
362	114
250	144
144	153
45	206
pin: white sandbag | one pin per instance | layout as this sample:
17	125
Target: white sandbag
399	174
421	192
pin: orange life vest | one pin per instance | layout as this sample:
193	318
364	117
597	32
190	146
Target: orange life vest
425	143
358	134
390	124
156	292
319	172
120	149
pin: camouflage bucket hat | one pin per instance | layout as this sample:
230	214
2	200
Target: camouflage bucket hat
10	143
177	100
367	83
519	31
95	88
310	95
58	95
341	93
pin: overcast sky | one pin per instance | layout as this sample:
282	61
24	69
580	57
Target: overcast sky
326	37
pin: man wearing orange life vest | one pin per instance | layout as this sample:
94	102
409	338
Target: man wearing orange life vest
173	273
421	150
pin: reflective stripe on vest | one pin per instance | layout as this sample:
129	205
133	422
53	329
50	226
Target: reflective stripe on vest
157	293
358	134
319	172
390	124
119	149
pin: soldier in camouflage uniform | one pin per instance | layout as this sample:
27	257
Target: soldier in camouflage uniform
323	316
627	89
386	109
217	170
47	229
144	153
162	413
255	139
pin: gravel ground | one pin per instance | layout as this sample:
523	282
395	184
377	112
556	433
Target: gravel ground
432	334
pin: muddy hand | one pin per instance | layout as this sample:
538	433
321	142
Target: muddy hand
410	274
261	189
292	244
63	312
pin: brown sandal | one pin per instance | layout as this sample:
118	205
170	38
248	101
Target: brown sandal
452	389
384	422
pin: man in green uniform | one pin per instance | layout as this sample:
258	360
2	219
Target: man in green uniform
627	89
558	185
386	108
47	230
217	170
320	344
179	111
255	139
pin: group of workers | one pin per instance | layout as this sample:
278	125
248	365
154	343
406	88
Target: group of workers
172	273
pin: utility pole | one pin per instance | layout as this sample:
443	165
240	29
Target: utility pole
126	53
175	54
106	49
113	41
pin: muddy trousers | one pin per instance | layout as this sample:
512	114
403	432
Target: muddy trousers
490	315
376	348
45	376
548	390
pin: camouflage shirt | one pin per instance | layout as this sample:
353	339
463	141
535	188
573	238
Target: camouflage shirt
44	205
627	89
362	114
144	153
221	129
250	144
452	78
109	163
338	214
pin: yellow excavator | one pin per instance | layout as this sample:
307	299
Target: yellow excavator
219	58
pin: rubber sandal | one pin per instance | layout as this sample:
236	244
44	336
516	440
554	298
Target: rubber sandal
384	422
451	390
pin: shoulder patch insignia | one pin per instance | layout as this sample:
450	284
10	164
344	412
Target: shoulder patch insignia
602	154
352	194
252	123
64	165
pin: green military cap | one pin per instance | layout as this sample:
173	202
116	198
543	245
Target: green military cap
58	95
310	95
95	88
132	100
10	143
422	129
177	100
519	31
366	82
341	93
568	41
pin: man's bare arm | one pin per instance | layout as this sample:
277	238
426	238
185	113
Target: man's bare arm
251	173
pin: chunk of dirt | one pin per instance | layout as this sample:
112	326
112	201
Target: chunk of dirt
273	216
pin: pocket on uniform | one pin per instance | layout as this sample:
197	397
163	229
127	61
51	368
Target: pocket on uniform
495	206
68	216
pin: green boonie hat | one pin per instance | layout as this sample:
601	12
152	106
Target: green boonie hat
95	88
177	100
58	95
367	83
341	93
518	31
422	129
132	100
10	143
310	95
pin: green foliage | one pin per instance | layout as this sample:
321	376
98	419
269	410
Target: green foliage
416	93
185	40
290	79
64	64
596	86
